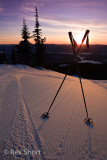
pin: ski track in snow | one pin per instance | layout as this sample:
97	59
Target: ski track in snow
35	134
26	93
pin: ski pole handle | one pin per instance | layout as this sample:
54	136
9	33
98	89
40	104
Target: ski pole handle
71	40
70	37
86	33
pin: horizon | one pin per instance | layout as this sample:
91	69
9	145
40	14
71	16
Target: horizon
56	19
59	44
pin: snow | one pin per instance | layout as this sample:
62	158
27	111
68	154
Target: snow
26	93
88	61
102	83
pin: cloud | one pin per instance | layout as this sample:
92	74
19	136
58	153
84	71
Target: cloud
74	24
1	9
29	5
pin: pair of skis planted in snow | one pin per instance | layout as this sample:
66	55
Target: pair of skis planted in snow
73	42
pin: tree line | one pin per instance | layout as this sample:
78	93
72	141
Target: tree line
25	52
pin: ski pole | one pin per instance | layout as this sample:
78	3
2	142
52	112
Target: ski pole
82	91
87	31
87	120
71	39
57	93
46	114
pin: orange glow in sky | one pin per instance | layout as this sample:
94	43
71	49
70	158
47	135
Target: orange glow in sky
56	18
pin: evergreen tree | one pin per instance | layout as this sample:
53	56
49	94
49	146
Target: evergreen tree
13	56
0	58
39	42
24	46
4	60
25	33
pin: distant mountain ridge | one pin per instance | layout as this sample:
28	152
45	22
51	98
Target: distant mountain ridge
62	48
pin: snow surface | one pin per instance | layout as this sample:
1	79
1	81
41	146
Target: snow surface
26	93
89	61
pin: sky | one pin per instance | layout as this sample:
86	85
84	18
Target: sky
56	17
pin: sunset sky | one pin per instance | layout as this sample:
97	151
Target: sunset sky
57	18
